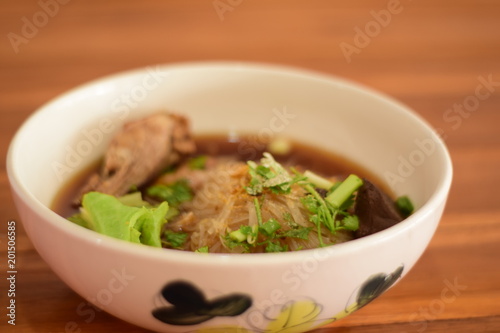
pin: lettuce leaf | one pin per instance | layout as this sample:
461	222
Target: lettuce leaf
110	216
152	223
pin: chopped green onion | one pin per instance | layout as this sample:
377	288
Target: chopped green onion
238	236
317	180
258	211
344	191
325	215
252	236
270	227
404	205
203	249
280	146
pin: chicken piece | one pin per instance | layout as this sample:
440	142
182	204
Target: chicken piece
139	151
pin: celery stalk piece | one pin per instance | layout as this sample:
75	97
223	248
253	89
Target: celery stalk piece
318	181
344	190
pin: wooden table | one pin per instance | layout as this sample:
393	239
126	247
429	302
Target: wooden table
436	56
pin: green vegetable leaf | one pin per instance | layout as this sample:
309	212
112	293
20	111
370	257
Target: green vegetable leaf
246	230
198	162
134	200
350	222
203	249
78	219
175	240
270	227
245	235
269	174
232	243
109	216
301	233
172	212
310	203
152	222
174	194
275	247
255	187
289	219
265	172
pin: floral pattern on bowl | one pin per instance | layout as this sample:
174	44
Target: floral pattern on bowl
189	307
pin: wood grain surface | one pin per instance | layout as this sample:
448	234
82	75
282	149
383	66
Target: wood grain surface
440	57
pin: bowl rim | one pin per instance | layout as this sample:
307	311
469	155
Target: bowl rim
210	259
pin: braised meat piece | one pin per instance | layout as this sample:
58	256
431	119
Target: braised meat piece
375	210
140	151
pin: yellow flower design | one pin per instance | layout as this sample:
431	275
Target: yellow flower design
296	317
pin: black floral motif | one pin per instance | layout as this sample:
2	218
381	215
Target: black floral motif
190	307
376	285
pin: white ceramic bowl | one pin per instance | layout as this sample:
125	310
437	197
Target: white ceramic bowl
289	292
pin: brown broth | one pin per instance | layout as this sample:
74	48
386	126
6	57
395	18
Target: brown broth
245	148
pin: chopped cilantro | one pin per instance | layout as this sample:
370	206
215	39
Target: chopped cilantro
301	233
269	233
269	174
198	162
255	187
275	247
288	218
174	194
324	212
330	212
350	222
174	239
